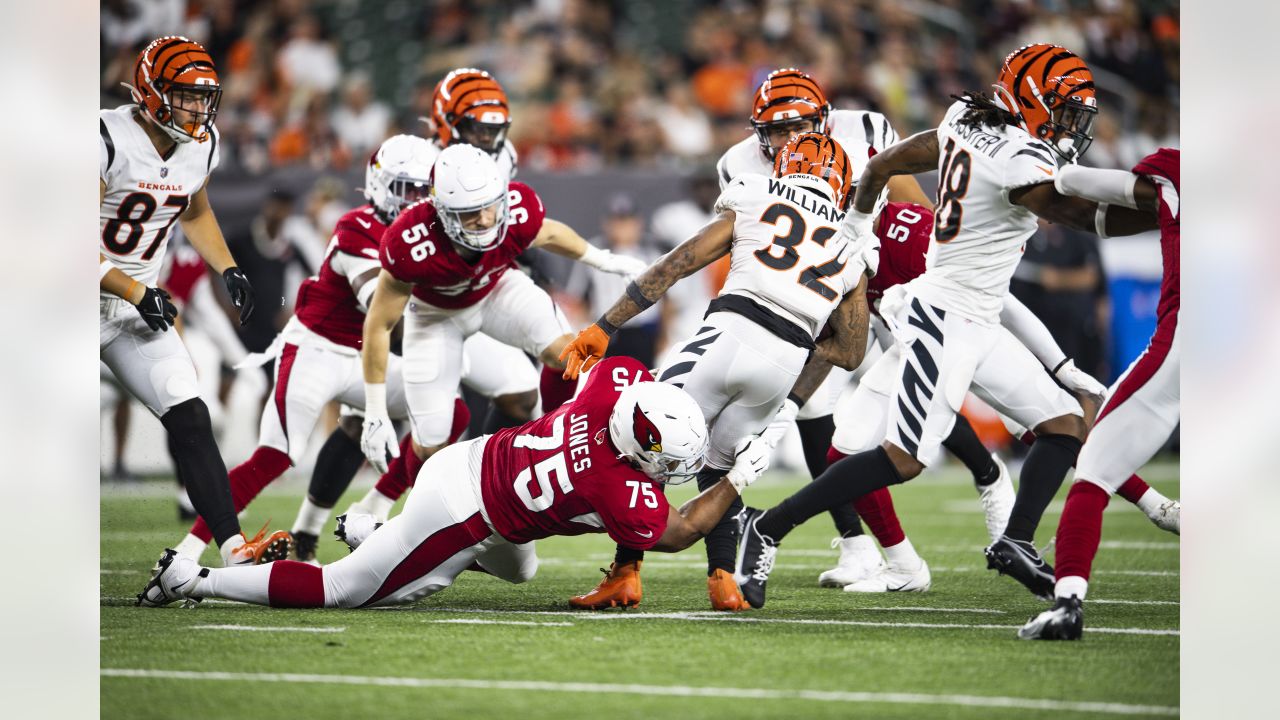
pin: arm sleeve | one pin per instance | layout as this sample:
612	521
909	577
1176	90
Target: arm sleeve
351	267
1114	187
1025	326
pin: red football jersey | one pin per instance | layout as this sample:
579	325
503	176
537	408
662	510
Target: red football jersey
326	304
417	250
904	230
1162	167
186	271
561	475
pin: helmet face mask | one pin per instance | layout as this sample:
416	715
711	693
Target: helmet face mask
190	109
1070	131
488	136
774	135
478	228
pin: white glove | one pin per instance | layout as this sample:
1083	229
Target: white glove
751	459
1076	379
860	239
609	262
786	415
378	439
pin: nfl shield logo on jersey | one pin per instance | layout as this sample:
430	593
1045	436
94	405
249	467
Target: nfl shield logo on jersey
164	172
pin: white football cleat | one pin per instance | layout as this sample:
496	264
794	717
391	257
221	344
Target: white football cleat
891	579
997	500
1168	516
355	526
172	579
859	559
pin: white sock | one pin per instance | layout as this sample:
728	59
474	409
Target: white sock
192	547
903	556
230	545
377	504
246	583
311	518
1151	501
1071	585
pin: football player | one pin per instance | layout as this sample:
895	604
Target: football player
1142	408
596	464
154	165
790	272
447	261
997	160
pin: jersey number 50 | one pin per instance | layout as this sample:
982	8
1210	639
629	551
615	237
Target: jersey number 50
811	277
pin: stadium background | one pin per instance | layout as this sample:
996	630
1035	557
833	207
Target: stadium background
620	111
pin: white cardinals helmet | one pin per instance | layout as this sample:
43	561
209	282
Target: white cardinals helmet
466	181
660	429
399	174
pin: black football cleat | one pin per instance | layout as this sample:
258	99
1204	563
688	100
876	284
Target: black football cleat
1064	621
1019	560
756	554
304	545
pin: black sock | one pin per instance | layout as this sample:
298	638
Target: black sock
200	465
963	442
336	465
815	438
173	455
496	420
722	541
1047	464
844	481
624	555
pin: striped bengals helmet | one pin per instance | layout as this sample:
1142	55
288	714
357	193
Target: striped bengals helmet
821	158
469	106
1051	92
785	96
174	73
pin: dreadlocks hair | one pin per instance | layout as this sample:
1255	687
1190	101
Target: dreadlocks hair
983	112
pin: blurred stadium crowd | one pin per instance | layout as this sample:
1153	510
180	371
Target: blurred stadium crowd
620	110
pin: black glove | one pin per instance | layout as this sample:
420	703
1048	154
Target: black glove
241	292
157	309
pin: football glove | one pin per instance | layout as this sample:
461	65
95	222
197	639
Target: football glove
1078	380
157	309
584	352
241	292
751	459
786	415
378	441
606	261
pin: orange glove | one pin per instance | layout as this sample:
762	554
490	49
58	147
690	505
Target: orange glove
585	351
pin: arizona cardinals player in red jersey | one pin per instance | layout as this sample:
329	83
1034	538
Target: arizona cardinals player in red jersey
1143	406
447	260
597	464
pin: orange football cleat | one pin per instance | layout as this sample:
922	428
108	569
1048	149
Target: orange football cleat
262	548
619	588
724	592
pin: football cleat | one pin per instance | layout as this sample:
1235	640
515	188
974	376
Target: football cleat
262	548
756	554
894	579
1064	621
724	592
354	527
304	547
620	588
1168	516
1019	560
172	578
997	500
859	559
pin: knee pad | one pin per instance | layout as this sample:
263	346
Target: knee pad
528	569
187	418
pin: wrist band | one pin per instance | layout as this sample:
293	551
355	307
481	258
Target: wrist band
608	327
103	268
799	401
637	297
128	292
1058	367
1100	220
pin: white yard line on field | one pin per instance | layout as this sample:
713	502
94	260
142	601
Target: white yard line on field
1132	602
994	702
477	621
255	628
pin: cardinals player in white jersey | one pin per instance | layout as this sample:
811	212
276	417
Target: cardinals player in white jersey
790	271
596	464
154	164
449	261
997	161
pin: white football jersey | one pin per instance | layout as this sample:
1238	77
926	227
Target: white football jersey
145	192
860	132
979	234
787	252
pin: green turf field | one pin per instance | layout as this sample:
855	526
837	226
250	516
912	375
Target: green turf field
484	648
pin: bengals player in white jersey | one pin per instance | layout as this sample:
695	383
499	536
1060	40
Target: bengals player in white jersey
154	165
997	161
790	272
596	464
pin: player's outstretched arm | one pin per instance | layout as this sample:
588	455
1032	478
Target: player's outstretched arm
697	517
1082	214
849	323
916	154
561	239
385	308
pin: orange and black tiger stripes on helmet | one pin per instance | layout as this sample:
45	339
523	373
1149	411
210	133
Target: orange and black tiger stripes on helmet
175	73
785	96
1051	92
822	157
470	106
